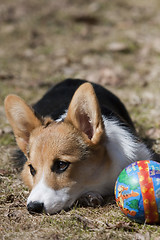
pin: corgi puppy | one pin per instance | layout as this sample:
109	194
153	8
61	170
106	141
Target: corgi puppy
75	141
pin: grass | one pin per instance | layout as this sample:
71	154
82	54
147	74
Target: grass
44	42
7	139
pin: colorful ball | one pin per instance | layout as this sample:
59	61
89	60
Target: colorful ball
137	191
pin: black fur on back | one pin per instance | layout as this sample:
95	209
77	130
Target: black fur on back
19	159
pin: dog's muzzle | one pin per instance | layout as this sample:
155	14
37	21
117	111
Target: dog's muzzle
35	207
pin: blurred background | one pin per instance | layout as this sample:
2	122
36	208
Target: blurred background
114	43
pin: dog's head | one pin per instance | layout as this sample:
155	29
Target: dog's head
64	159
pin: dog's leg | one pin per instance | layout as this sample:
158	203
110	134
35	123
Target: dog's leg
91	199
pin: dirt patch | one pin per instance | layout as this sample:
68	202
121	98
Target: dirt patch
115	43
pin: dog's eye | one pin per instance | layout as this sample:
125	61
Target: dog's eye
32	170
59	166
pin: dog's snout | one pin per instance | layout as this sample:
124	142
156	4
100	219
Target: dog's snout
35	207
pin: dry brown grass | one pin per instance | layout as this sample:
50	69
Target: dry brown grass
115	43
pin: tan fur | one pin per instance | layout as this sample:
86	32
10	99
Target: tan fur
22	120
67	141
87	103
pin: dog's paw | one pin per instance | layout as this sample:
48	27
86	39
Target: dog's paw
91	199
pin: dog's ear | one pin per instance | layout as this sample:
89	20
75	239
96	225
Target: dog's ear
22	119
85	114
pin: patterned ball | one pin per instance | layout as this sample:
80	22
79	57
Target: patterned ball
137	191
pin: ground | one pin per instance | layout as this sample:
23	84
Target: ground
114	43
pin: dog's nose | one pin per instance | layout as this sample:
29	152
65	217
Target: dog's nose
35	207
